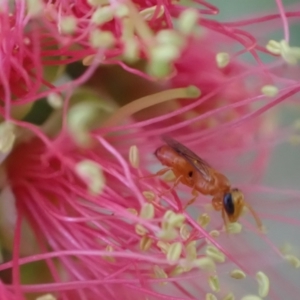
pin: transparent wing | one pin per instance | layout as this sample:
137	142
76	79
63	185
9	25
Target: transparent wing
198	163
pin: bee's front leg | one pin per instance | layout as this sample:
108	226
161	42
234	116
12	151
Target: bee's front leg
195	194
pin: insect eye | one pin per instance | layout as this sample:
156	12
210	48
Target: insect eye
228	203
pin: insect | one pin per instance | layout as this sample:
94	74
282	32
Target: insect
194	172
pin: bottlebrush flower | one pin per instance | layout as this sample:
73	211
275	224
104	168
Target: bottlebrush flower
75	210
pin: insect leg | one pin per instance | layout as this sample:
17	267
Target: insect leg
177	181
255	216
225	219
195	194
217	202
159	173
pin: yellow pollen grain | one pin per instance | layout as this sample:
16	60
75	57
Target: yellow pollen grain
229	296
160	273
251	297
210	296
214	233
134	157
203	220
184	232
165	53
68	25
98	2
147	211
121	11
293	260
234	228
174	252
187	21
145	243
237	274
177	271
140	229
101	39
34	7
102	15
172	219
148	13
274	47
150	196
263	284
7	137
270	90
109	248
204	263
132	211
55	100
191	251
222	59
169	176
92	174
46	297
163	246
215	254
169	36
167	234
214	283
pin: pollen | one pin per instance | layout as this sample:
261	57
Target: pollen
269	90
234	228
184	232
102	15
203	220
290	54
214	233
34	7
191	251
204	263
229	296
164	247
150	196
55	100
174	252
68	25
148	13
134	156
251	297
263	284
147	211
168	36
98	2
121	11
222	59
172	219
101	39
214	283
132	211
7	137
145	243
92	174
293	260
46	297
109	248
210	296
165	53
215	254
160	273
237	274
140	229
177	271
188	20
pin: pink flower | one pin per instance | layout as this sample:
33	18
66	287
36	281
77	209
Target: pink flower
72	198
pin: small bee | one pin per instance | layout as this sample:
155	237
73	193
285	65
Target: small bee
192	171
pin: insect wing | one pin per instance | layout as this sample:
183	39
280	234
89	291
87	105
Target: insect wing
199	164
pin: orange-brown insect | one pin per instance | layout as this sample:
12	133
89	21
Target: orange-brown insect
192	171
